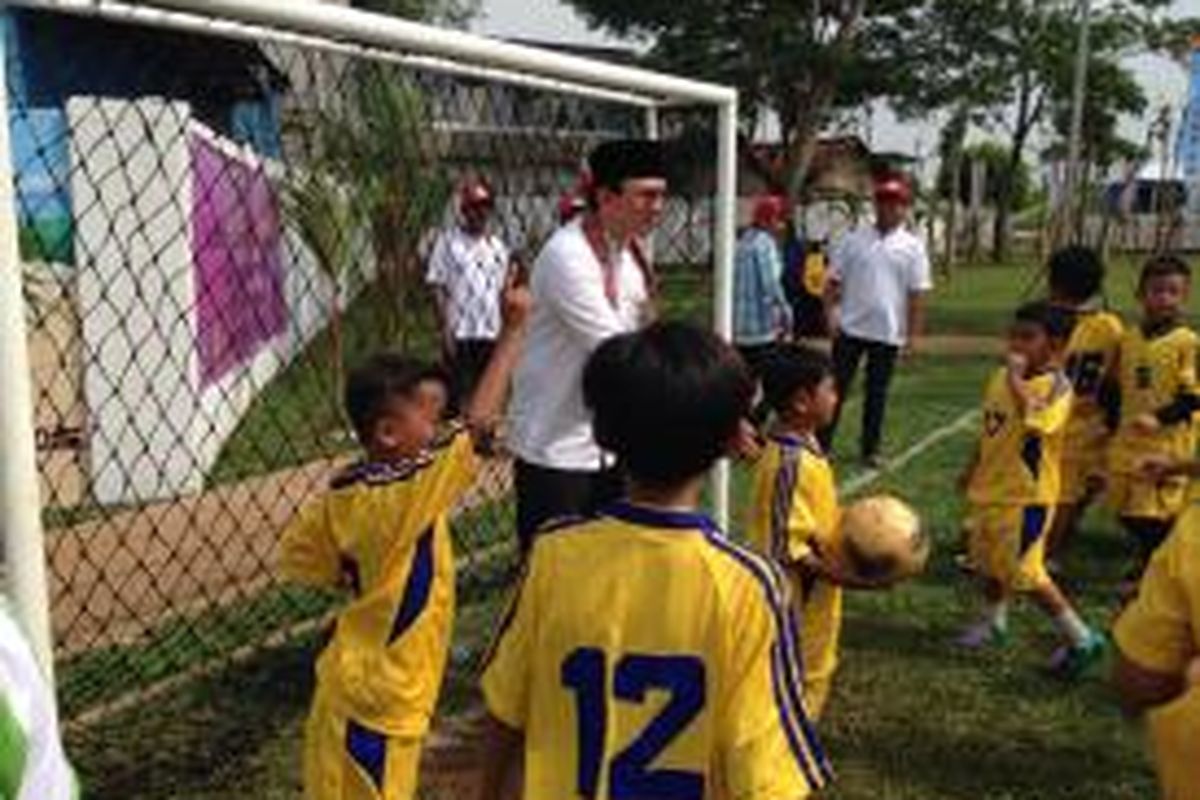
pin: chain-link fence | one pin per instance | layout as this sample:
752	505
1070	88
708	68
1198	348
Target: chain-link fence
213	230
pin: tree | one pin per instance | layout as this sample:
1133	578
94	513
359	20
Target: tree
802	60
1008	64
456	13
994	156
325	216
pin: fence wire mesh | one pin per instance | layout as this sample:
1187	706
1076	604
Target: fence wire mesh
213	231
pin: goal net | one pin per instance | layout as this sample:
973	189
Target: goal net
220	213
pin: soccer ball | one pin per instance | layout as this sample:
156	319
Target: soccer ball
1193	673
883	542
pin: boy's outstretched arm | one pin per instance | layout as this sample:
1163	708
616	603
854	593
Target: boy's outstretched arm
486	403
500	751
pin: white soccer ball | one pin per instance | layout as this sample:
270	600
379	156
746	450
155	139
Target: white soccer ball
883	542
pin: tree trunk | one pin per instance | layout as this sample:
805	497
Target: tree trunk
955	135
336	353
804	138
1029	110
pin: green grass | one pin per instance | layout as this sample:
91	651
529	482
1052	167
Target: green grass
978	299
911	718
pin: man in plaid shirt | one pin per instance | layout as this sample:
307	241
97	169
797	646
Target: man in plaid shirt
761	313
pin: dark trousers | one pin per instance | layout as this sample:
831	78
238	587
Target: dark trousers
545	495
848	353
471	357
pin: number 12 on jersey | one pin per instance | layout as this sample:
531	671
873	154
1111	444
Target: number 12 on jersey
630	772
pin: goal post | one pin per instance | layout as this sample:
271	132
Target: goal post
193	274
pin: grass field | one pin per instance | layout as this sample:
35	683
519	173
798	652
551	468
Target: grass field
911	718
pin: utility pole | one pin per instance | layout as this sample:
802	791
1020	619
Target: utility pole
1074	207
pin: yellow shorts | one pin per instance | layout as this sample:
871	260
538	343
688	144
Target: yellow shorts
1143	498
1175	741
1084	469
346	761
1008	544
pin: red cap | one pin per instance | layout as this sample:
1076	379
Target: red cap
769	210
570	204
894	188
475	193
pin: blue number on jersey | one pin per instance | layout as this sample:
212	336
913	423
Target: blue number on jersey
630	776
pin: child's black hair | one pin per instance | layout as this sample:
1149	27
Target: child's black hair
792	369
667	400
1058	323
1164	265
373	384
1076	273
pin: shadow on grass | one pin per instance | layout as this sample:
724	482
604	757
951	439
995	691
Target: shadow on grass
932	762
212	734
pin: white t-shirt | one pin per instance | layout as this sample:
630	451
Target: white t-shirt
39	762
550	425
877	273
471	270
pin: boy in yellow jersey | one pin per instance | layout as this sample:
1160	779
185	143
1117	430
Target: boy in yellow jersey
794	516
645	655
1013	487
1158	669
381	533
1076	283
1157	376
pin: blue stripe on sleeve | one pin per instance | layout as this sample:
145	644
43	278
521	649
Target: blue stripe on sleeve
788	661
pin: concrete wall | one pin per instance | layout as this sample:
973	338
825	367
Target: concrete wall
153	429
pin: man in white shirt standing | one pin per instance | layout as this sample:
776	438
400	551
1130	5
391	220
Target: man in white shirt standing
875	301
467	271
589	284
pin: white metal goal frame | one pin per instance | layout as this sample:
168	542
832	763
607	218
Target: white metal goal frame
338	29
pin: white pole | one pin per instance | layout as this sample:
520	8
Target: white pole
652	130
338	22
20	493
723	243
128	14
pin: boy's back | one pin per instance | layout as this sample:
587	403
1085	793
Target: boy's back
646	656
1160	631
1092	355
795	513
382	533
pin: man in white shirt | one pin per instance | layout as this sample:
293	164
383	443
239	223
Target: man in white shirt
875	301
467	271
589	284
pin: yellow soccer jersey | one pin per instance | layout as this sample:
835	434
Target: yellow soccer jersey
1092	356
1160	631
1020	455
647	656
382	533
795	513
1154	371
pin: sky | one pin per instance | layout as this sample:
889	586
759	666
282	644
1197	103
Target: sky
552	20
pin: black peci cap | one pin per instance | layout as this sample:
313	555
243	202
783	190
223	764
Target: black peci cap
613	163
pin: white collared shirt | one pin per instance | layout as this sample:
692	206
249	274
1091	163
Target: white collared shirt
471	270
550	425
877	273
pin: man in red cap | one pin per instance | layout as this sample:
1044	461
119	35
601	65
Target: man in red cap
879	276
467	271
761	313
